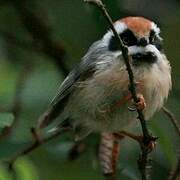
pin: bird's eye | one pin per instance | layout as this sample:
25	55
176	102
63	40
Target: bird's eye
128	38
152	36
155	40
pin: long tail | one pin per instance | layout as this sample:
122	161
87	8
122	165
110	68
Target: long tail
108	153
51	114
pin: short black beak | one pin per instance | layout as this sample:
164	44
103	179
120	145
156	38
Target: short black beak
148	57
142	42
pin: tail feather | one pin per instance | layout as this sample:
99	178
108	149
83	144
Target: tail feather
52	113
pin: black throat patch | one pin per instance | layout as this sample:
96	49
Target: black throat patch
148	58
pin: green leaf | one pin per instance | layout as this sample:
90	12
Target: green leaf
4	175
6	119
25	170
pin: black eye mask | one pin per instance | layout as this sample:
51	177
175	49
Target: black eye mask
127	37
153	39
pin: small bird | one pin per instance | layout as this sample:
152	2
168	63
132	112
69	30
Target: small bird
95	96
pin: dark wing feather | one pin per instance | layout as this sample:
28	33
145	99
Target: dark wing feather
68	84
84	69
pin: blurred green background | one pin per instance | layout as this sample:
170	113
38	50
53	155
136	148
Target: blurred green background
32	67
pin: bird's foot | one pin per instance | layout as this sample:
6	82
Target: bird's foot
150	145
141	104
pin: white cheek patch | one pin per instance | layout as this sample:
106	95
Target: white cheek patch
135	49
149	48
153	49
119	26
156	30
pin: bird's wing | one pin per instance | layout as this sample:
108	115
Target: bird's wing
81	72
85	69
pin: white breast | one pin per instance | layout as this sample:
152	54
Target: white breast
157	85
91	100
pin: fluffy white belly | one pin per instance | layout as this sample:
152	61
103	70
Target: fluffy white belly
93	103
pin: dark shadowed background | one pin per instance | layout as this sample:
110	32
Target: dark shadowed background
40	41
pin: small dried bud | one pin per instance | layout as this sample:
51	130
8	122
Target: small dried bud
97	2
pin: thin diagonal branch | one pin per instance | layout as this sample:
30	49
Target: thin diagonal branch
176	171
41	34
124	49
12	39
26	45
38	141
147	137
175	174
173	120
16	105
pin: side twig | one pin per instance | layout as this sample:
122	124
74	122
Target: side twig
171	116
16	105
41	34
38	141
10	38
28	45
175	173
147	138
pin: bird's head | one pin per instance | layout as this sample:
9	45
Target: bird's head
140	35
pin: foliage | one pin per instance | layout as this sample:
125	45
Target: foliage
6	119
76	26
